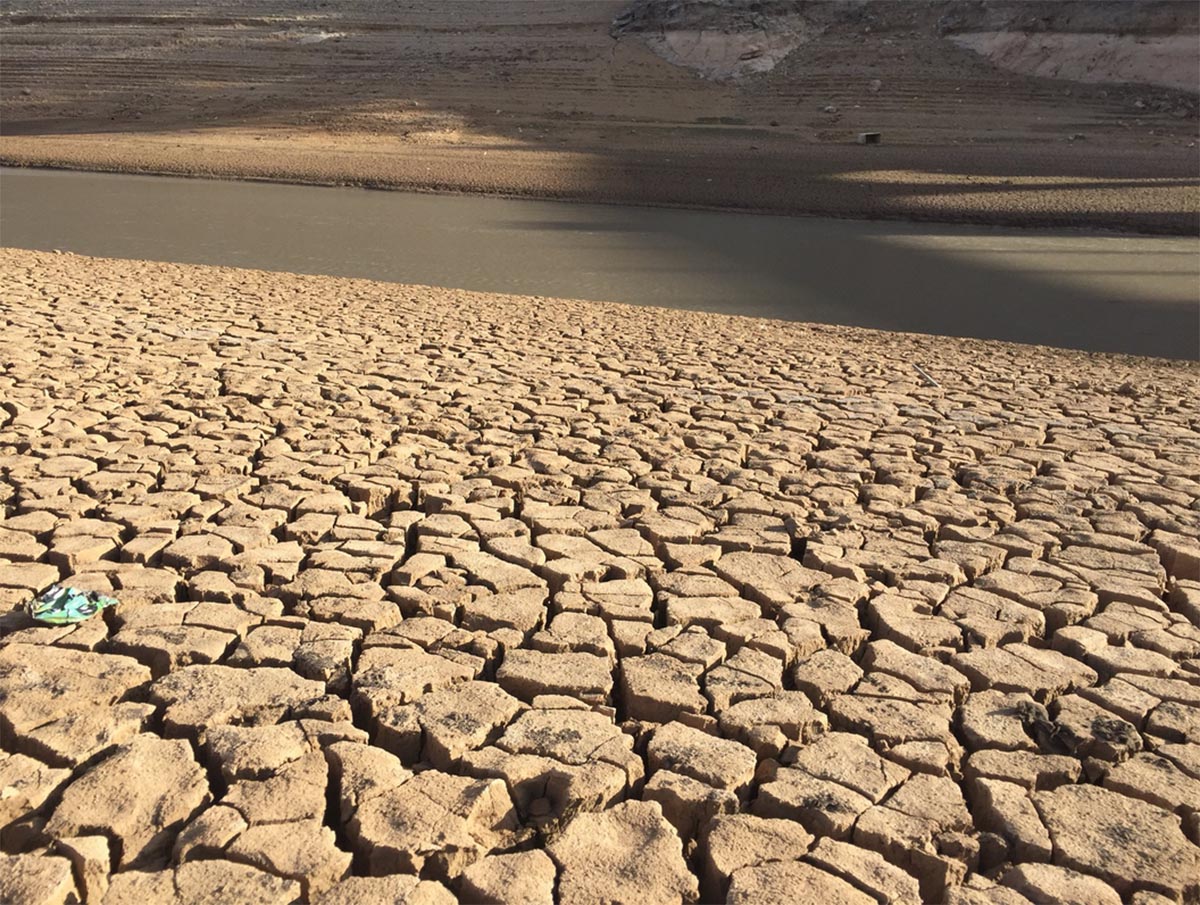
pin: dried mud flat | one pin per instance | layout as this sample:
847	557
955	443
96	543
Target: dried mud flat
430	596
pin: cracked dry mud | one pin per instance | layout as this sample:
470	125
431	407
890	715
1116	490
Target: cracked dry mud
430	596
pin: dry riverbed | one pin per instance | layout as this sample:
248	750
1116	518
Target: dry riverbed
430	594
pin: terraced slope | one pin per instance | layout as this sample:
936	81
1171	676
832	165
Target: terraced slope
544	99
429	594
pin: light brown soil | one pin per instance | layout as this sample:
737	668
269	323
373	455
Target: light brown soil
428	593
540	99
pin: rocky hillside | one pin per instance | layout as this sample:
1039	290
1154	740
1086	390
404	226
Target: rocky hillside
1151	42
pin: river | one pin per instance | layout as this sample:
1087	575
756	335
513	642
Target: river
1098	292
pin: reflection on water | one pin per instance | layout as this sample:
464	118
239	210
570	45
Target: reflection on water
1099	292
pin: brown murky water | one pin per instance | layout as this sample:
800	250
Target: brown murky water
1088	291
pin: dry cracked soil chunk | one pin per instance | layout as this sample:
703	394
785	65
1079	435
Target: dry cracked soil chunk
575	737
658	688
791	881
197	697
275	823
139	797
1128	843
629	853
866	870
718	762
739	840
1051	883
389	676
768	725
520	877
828	783
64	705
528	673
1006	809
36	879
924	828
443	725
689	805
25	785
435	822
398	889
203	883
256	752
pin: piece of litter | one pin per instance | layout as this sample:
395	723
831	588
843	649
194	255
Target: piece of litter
928	380
64	606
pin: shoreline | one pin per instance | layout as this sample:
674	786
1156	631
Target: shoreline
1062	288
624	310
1165	203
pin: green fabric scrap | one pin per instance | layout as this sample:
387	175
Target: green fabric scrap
64	606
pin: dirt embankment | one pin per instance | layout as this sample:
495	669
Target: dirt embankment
576	100
1152	42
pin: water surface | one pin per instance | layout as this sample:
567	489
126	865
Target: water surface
1088	291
